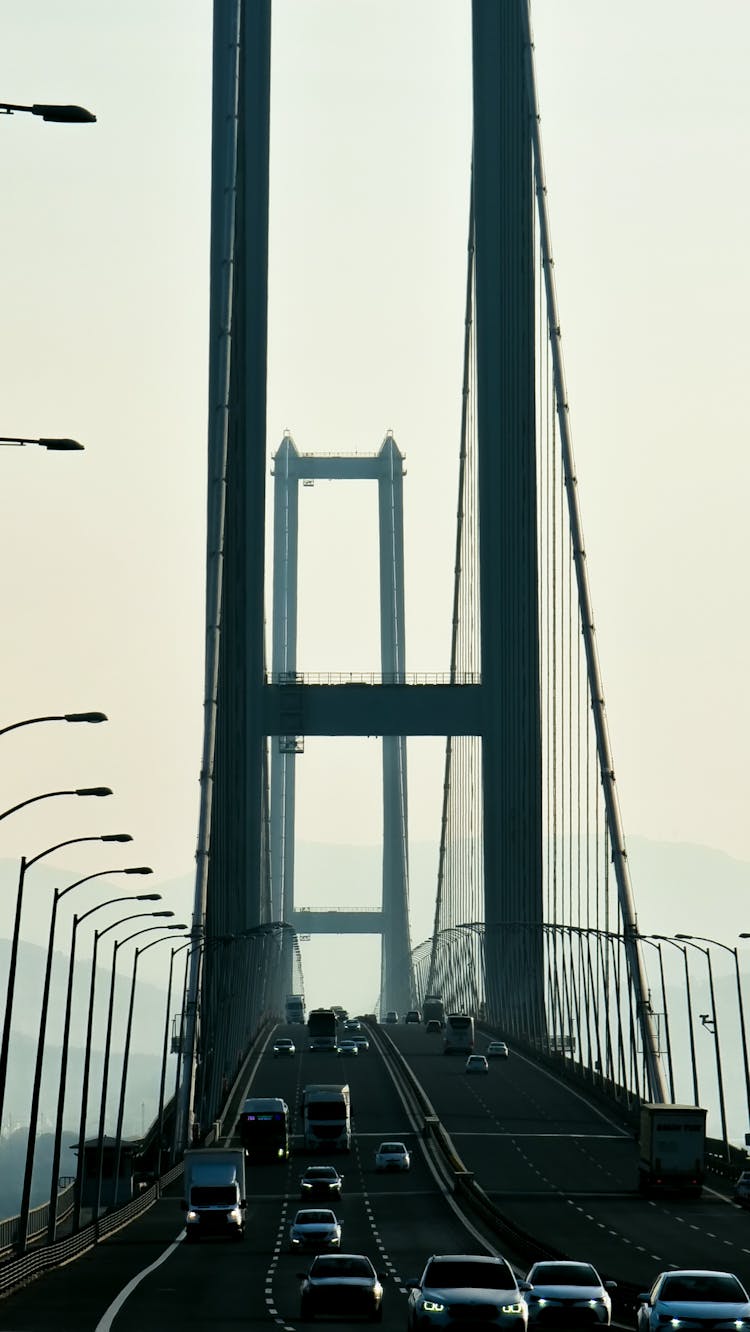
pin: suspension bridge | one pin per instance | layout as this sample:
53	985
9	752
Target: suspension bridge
535	928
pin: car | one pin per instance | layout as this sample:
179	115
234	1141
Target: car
497	1050
315	1228
322	1180
476	1064
434	1026
466	1289
693	1298
283	1048
352	1024
343	1284
567	1295
392	1156
347	1048
391	1016
741	1193
413	1015
361	1042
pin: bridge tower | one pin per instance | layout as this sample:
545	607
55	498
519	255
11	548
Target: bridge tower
392	921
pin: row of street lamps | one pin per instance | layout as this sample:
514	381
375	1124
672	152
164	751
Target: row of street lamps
59	893
69	114
683	942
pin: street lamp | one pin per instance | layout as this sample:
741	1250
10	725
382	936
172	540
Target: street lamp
119	943
126	1051
733	951
23	1224
52	445
25	865
48	795
63	716
688	938
138	897
98	934
68	115
664	938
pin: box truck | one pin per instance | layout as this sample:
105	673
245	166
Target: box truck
214	1200
672	1149
326	1117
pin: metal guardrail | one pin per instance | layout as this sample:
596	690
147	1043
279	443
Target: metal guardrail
290	679
38	1220
44	1257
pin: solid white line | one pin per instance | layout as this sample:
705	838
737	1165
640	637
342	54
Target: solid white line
107	1319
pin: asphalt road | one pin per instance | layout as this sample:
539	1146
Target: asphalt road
558	1167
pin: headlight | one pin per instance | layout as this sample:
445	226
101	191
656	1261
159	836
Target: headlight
305	1184
513	1308
234	1215
191	1216
432	1306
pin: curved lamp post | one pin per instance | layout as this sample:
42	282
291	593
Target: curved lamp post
49	795
126	1051
68	115
688	939
64	716
138	897
23	1225
664	938
98	934
25	865
119	943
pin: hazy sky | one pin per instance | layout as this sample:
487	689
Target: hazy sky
645	120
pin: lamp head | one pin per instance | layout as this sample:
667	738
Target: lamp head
148	897
68	115
163	913
85	716
93	791
139	869
116	837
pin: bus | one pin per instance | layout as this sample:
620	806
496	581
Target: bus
321	1028
458	1034
264	1128
433	1009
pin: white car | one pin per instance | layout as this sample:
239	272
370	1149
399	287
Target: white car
315	1228
693	1298
347	1048
283	1047
392	1156
476	1064
567	1295
497	1050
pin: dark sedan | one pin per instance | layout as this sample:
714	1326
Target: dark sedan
344	1285
320	1181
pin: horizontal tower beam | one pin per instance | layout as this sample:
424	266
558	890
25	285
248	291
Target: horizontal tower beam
364	709
337	922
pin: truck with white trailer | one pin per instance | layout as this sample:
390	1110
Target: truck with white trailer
326	1117
672	1149
214	1193
294	1008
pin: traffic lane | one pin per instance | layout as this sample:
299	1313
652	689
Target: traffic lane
629	1240
73	1298
509	1100
558	1189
